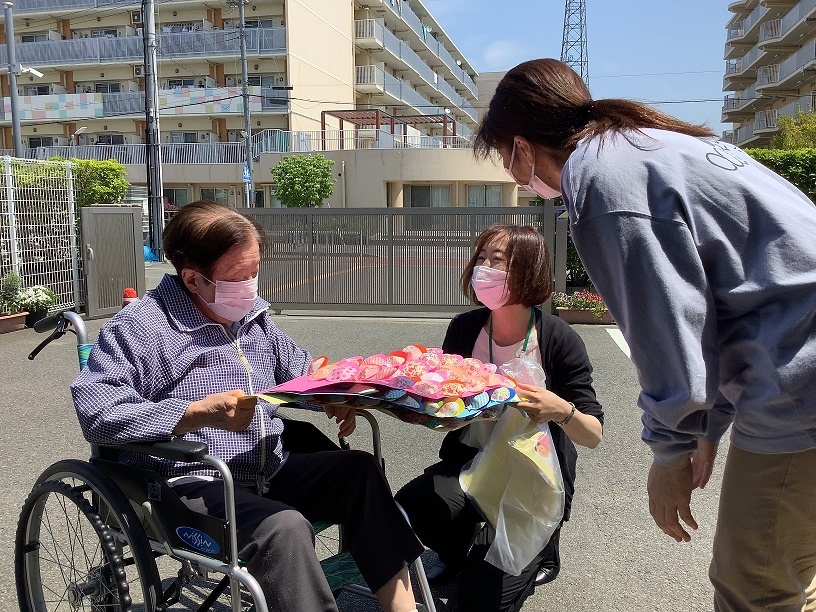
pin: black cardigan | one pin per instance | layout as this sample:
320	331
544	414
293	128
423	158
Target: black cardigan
569	375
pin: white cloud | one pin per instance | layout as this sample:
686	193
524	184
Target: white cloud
502	55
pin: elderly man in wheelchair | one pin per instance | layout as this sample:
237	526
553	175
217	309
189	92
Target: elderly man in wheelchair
179	365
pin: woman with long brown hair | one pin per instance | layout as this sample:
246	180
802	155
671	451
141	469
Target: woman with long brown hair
706	260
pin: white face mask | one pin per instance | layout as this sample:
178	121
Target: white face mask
536	185
490	286
233	299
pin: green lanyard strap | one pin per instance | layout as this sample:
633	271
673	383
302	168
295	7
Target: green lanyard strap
526	336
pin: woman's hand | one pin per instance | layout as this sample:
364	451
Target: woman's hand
346	417
541	405
231	410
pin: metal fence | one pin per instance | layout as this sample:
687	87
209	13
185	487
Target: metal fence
383	259
38	227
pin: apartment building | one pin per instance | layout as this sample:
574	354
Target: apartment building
375	85
770	67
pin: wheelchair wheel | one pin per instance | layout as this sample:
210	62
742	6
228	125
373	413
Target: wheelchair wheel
66	555
121	523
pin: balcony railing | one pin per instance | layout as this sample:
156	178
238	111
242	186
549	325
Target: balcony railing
407	14
131	49
768	75
52	6
779	73
391	85
770	30
745	133
743	98
194	101
805	103
267	141
765	120
795	16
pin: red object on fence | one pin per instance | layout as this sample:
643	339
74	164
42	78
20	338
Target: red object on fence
129	296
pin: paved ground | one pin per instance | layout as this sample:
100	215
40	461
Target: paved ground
613	557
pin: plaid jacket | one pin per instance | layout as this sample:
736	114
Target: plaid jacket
159	354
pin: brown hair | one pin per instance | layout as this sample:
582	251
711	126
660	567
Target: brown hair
529	272
203	231
546	102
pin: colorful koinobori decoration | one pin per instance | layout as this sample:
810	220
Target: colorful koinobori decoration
438	390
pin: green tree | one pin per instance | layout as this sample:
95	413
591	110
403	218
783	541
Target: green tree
796	133
97	181
303	181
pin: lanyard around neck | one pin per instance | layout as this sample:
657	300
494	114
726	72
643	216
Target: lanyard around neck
490	334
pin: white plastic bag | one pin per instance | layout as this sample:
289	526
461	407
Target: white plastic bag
516	481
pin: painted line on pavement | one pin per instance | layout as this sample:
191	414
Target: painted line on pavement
617	336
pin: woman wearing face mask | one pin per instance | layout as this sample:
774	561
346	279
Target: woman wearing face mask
509	274
176	364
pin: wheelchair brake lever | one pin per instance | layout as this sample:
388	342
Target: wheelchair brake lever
57	333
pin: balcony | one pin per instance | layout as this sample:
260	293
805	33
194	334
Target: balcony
805	104
765	121
370	34
404	13
374	80
52	7
217	101
796	71
266	141
213	43
743	104
795	24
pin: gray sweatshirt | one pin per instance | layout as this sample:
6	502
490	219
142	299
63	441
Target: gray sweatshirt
707	261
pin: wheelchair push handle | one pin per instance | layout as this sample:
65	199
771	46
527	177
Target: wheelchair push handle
58	324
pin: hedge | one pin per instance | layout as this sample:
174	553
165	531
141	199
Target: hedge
796	165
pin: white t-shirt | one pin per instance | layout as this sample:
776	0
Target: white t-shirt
478	433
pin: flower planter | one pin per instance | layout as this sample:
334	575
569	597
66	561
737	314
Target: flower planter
33	317
584	316
12	322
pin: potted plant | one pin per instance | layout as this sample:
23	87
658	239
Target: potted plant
12	316
581	307
36	300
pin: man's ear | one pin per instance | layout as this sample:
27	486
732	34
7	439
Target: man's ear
190	278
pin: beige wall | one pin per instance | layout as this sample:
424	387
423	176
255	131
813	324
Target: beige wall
369	171
486	82
320	65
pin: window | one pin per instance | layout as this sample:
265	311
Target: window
38	90
104	33
110	139
259	198
259	23
425	196
177	197
107	87
484	195
33	38
183	137
40	141
266	80
181	83
215	194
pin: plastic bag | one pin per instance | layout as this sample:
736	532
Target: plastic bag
516	481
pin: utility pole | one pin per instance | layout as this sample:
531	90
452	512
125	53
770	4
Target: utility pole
248	170
152	135
13	72
574	43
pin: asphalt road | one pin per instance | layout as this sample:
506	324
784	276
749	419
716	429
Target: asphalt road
613	557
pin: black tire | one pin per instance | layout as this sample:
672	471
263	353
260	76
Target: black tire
65	558
121	522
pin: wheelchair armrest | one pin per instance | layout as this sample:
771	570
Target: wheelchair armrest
174	450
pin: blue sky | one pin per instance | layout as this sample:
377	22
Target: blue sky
674	46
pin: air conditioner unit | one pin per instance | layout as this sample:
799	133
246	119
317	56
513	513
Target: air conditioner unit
136	16
138	71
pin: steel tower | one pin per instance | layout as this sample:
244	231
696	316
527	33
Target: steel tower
574	43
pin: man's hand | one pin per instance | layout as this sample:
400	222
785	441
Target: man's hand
231	410
669	490
702	463
346	417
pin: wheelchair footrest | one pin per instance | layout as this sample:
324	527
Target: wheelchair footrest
341	571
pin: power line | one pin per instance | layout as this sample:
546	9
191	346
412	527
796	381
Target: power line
615	76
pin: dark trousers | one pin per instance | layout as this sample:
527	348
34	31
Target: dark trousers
449	524
275	536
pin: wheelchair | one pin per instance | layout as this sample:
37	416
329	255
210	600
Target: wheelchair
93	535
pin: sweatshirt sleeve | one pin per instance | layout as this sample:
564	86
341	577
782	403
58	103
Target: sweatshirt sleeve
651	277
